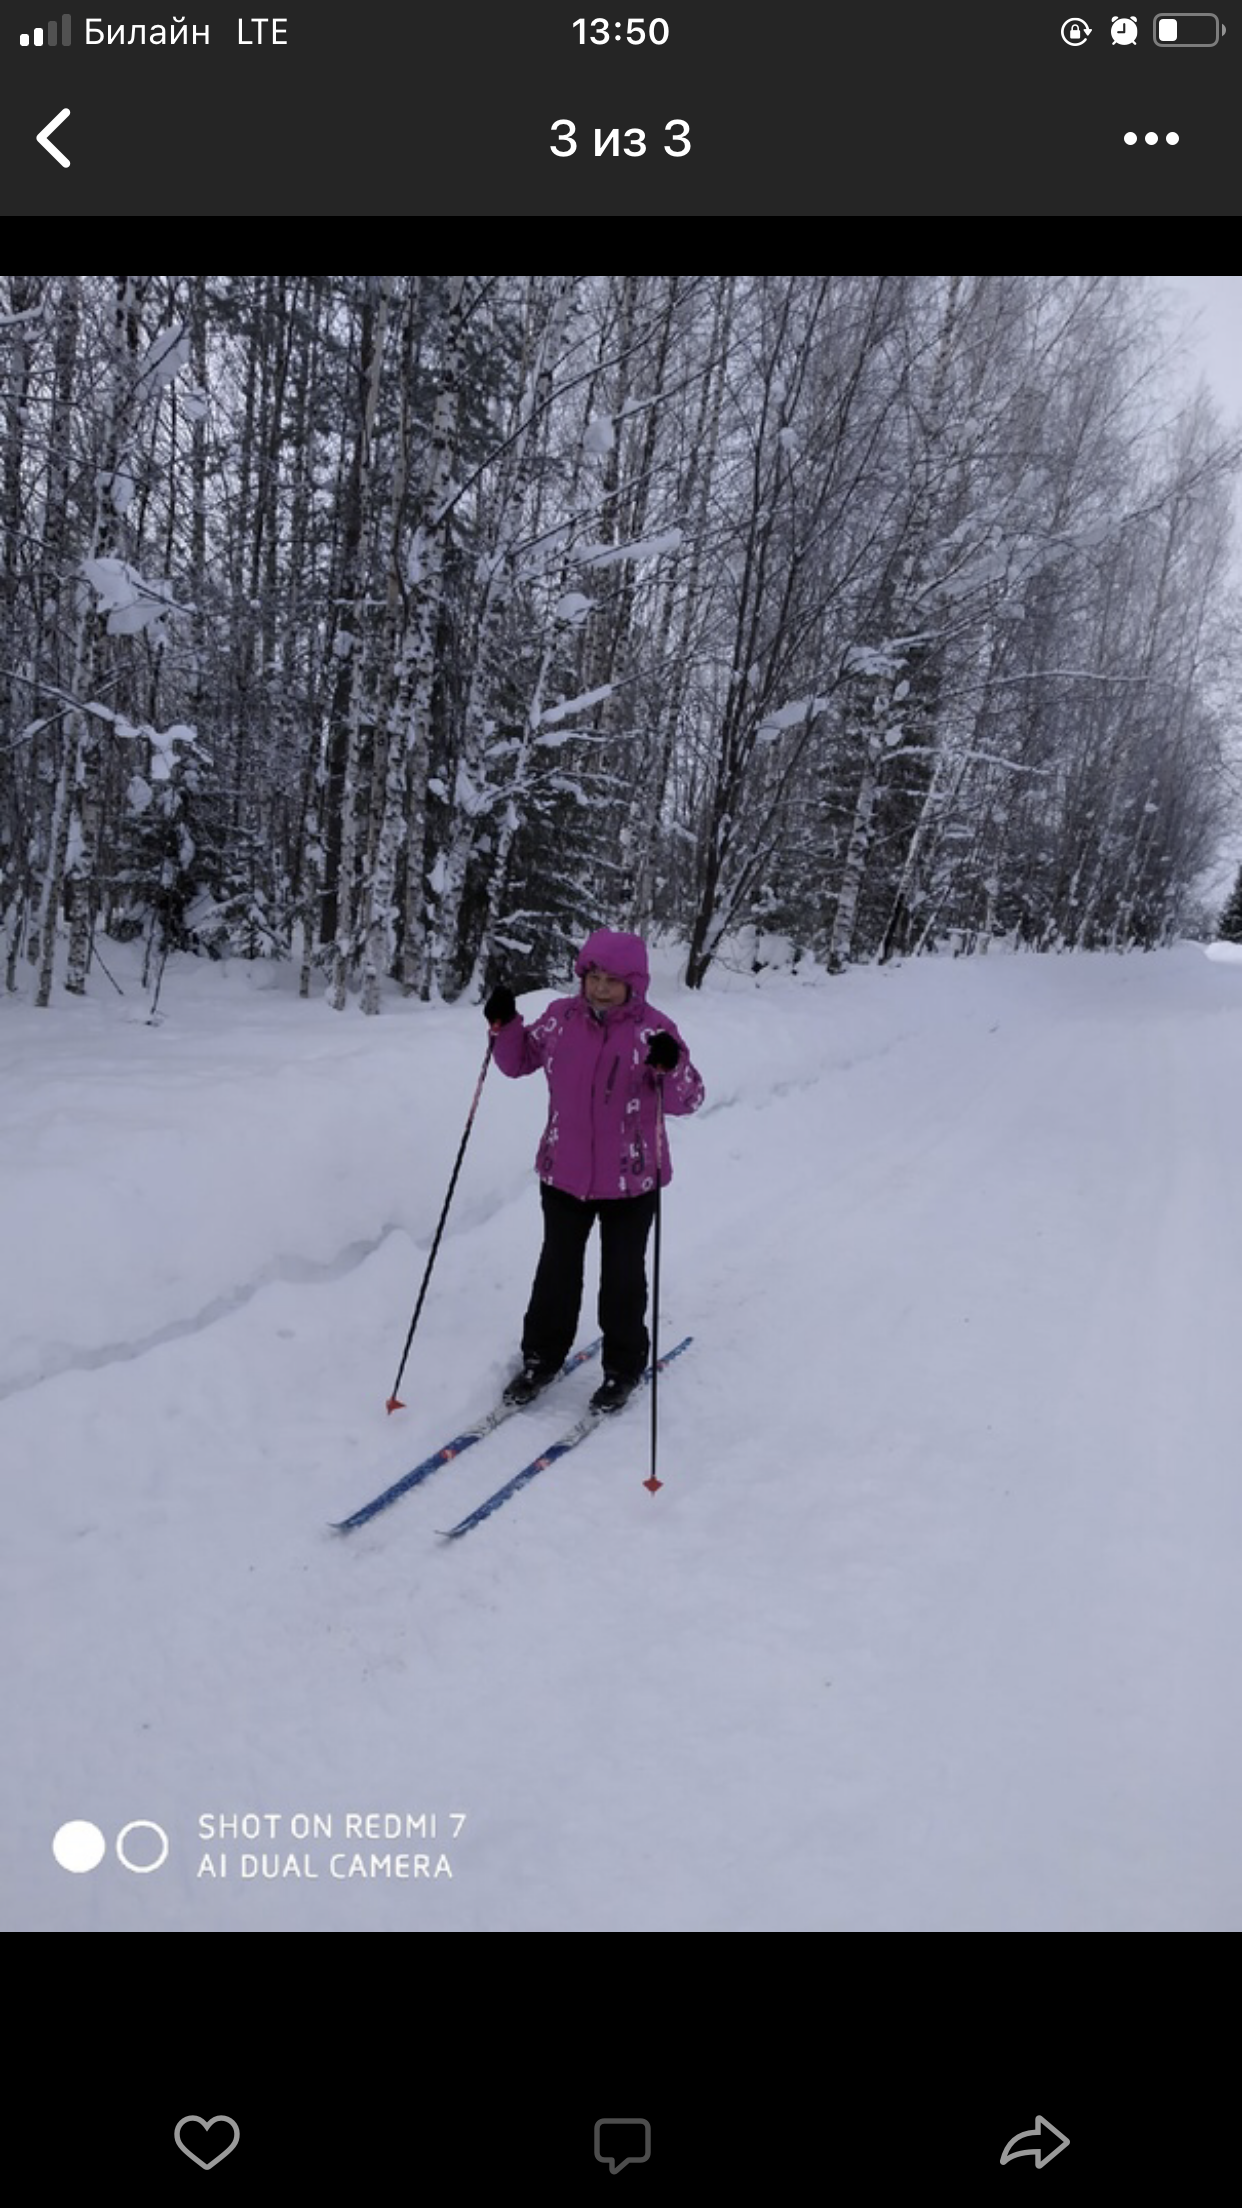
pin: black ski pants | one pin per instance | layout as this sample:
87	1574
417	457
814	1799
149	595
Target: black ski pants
556	1298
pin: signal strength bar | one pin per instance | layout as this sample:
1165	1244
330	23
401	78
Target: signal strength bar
38	38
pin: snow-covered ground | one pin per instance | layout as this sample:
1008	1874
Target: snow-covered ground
934	1623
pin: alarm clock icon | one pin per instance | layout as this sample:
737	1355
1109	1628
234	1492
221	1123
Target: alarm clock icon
1074	31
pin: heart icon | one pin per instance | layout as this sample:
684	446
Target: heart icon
207	2123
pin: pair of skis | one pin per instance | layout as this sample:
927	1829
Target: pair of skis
452	1449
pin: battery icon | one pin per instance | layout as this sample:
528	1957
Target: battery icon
1187	30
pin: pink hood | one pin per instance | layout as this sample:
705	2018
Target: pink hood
622	955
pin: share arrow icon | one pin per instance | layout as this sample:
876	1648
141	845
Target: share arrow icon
1036	2142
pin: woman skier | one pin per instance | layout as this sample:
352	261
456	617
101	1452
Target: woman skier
614	1066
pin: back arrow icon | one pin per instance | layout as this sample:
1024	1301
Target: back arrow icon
1021	2143
45	138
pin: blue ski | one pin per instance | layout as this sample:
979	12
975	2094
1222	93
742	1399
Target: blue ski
450	1450
568	1440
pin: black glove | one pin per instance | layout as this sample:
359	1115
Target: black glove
501	1007
663	1053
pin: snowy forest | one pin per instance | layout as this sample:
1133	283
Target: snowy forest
409	627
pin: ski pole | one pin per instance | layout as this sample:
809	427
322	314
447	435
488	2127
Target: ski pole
652	1484
393	1403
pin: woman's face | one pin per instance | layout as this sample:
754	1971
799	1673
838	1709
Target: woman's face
604	990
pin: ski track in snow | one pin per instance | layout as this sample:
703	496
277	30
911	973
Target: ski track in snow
60	1358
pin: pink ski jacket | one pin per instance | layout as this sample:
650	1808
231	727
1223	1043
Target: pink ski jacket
600	1139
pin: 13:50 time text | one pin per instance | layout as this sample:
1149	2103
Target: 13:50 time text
596	30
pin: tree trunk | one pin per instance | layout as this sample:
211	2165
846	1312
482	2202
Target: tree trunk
374	326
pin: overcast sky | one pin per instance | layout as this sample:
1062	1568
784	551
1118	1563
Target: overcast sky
1212	307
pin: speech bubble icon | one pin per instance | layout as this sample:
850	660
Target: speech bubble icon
622	2139
206	2124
